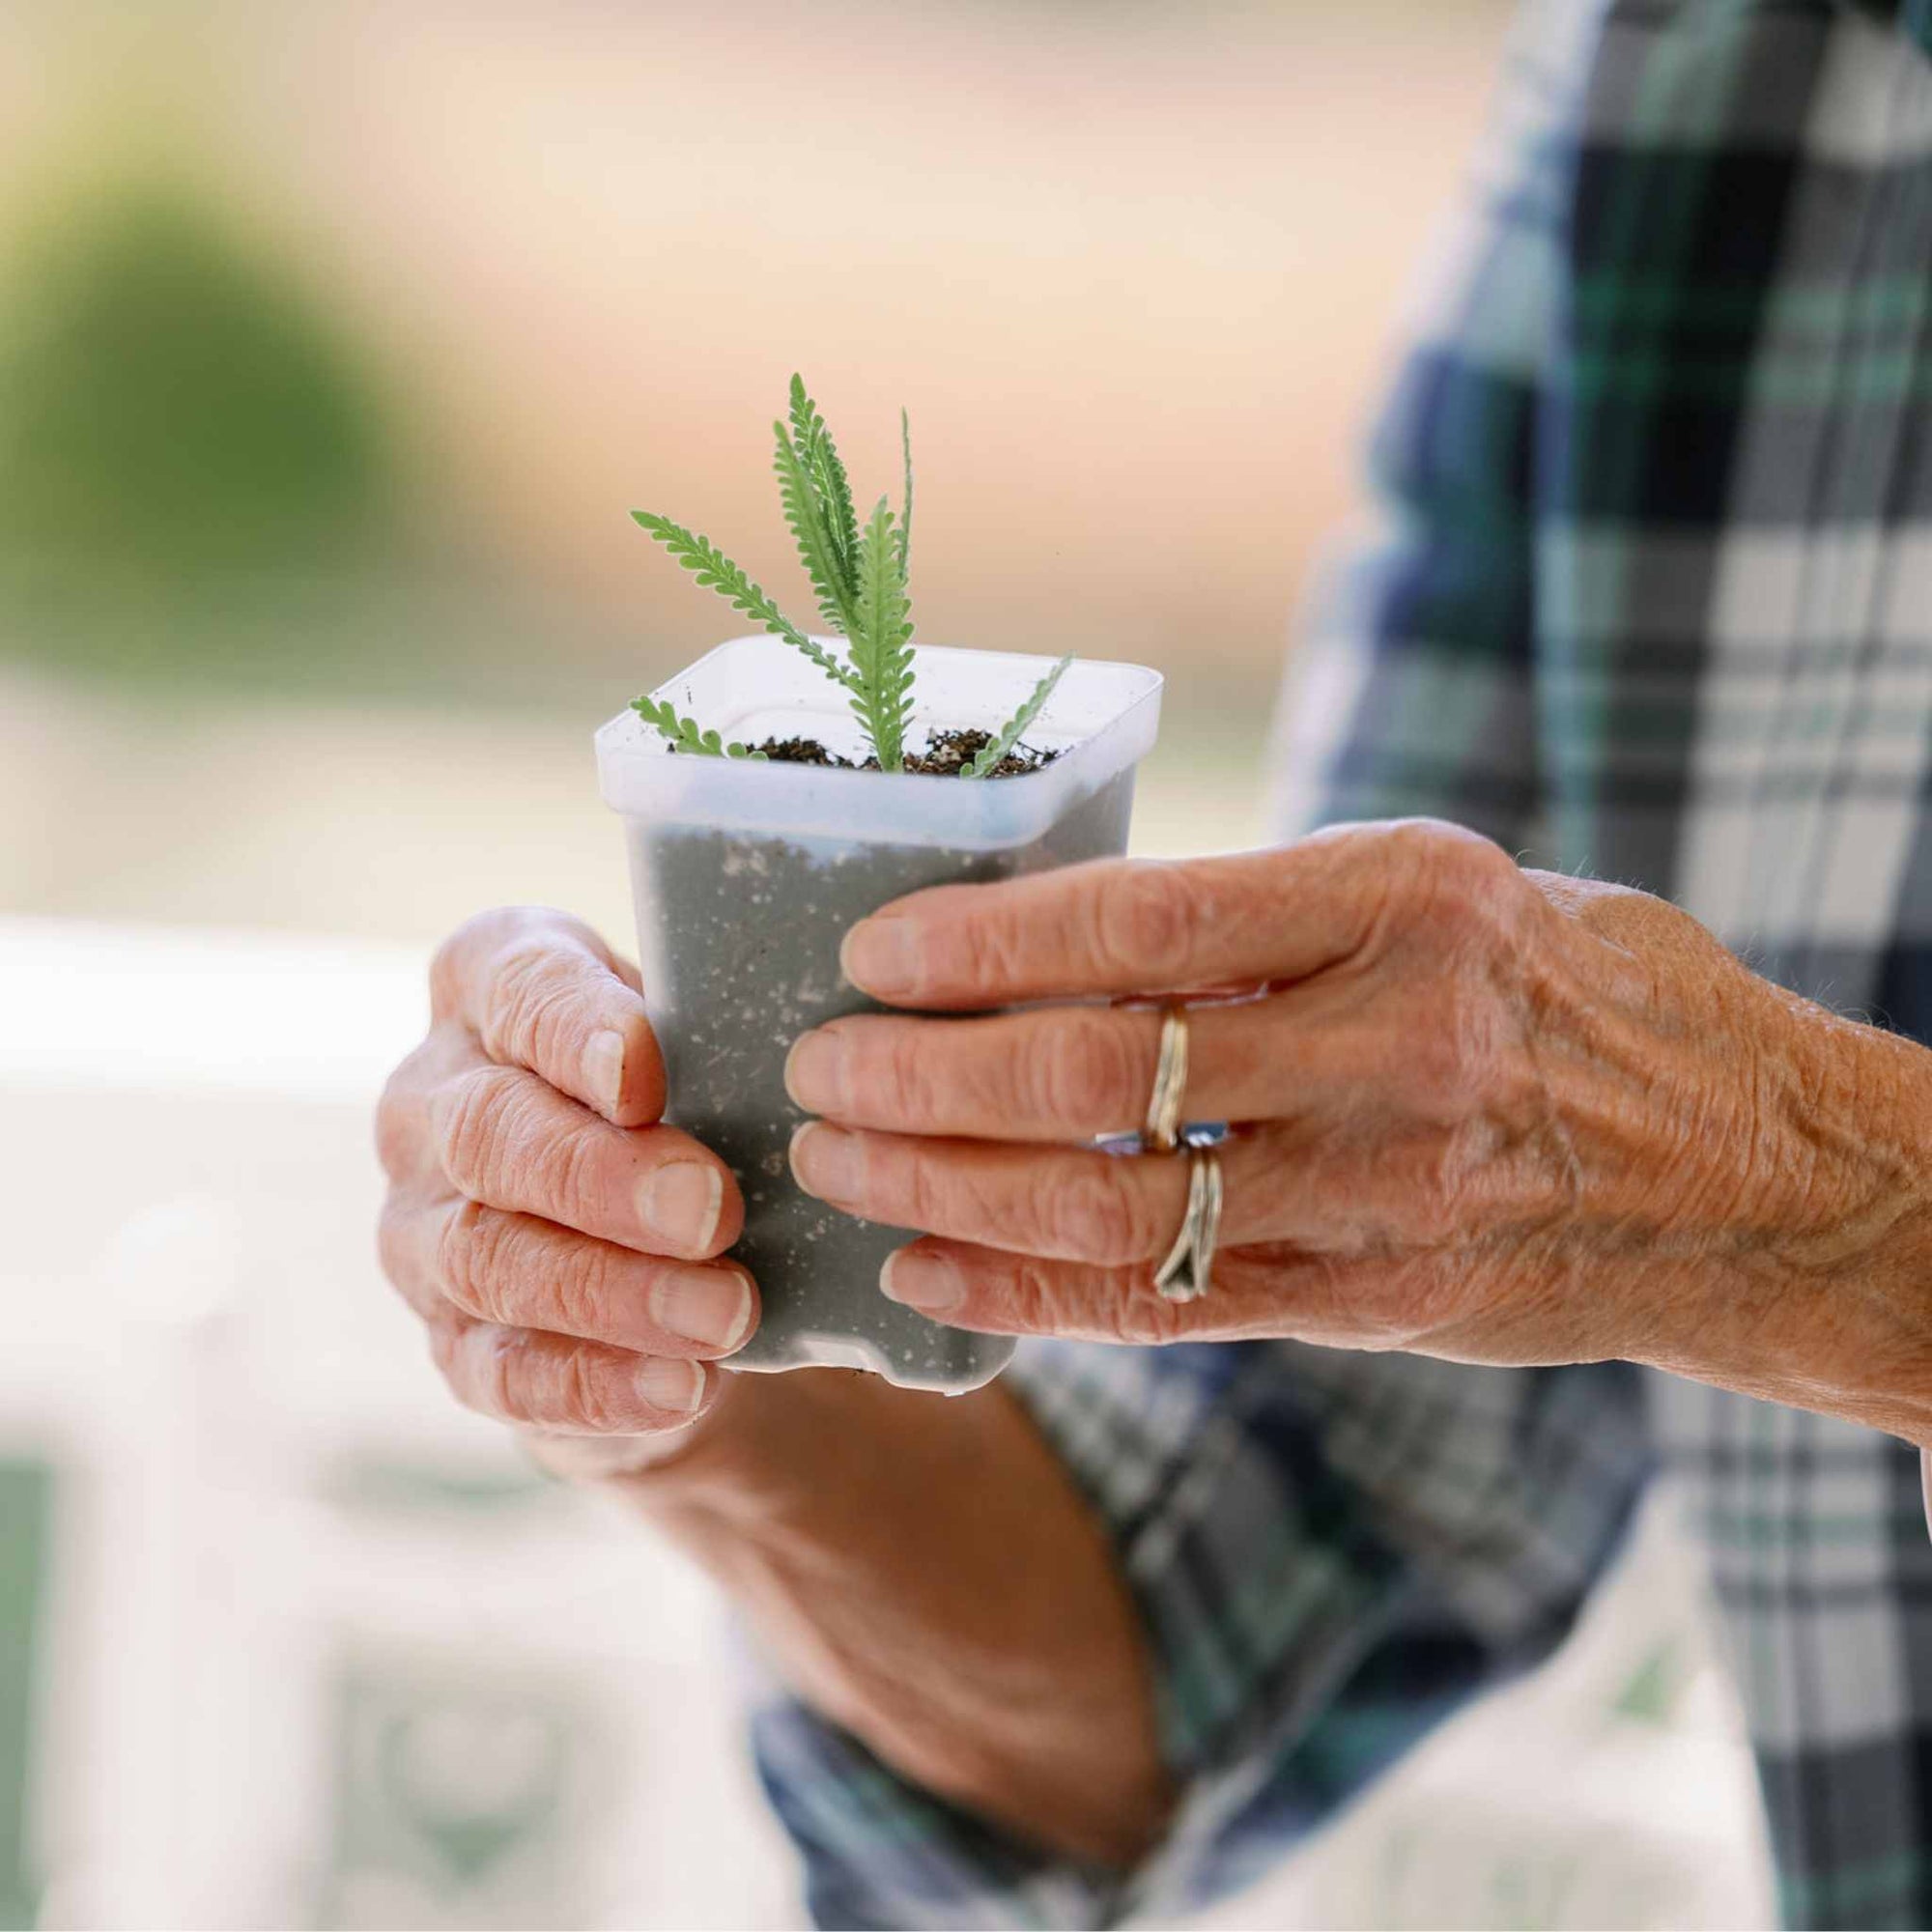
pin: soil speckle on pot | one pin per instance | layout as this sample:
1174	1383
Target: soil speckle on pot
736	976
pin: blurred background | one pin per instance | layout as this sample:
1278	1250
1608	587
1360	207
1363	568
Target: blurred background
336	344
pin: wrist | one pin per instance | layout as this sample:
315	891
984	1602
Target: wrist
1862	1252
1825	1298
760	1453
1761	1209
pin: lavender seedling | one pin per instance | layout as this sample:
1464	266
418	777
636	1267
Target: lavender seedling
859	578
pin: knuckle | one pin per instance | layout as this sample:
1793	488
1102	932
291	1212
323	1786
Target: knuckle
488	1374
904	1081
1048	1298
1090	1218
397	1140
990	951
447	965
1464	881
527	996
481	1123
1087	1074
441	1329
586	1400
1037	1300
902	1174
393	1249
469	1258
1148	1319
444	969
572	1182
1441	844
1144	920
582	1291
399	1121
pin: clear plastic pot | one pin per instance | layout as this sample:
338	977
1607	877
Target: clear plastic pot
747	876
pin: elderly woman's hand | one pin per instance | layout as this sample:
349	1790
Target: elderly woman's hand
1481	1112
559	1244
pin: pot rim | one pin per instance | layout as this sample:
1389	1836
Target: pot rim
1101	720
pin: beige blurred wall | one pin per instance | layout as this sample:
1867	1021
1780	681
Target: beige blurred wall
1134	270
1132	267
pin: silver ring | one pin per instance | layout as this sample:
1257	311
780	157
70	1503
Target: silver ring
1186	1273
1162	1133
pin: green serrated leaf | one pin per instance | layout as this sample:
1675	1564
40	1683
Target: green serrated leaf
717	572
818	550
683	732
879	653
1008	734
829	478
859	580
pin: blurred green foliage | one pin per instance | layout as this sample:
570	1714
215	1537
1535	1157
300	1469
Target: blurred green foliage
187	436
26	1512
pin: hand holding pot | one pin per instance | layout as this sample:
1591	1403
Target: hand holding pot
1477	1111
562	1247
559	1243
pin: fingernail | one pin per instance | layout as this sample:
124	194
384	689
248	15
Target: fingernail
673	1386
881	955
604	1069
926	1282
709	1306
682	1202
827	1161
814	1072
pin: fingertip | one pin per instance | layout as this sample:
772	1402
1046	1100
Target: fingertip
542	992
925	1279
790	1072
690	1203
624	1072
604	1071
676	1387
713	1310
828	1162
880	955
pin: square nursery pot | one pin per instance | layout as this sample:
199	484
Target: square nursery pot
747	876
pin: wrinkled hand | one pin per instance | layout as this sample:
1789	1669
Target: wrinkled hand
1477	1111
558	1243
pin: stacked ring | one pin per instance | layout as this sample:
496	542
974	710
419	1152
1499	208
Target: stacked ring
1186	1272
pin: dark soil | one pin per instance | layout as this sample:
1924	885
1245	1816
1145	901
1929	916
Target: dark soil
946	755
741	935
799	752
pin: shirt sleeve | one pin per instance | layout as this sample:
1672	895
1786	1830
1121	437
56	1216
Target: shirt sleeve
1416	689
1330	1552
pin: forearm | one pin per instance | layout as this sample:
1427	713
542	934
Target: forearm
926	1575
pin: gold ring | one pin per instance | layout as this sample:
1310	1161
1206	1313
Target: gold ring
1162	1133
1186	1273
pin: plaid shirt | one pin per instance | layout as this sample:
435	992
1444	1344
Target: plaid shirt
1651	598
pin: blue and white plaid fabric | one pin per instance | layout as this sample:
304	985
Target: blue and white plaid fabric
1650	598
